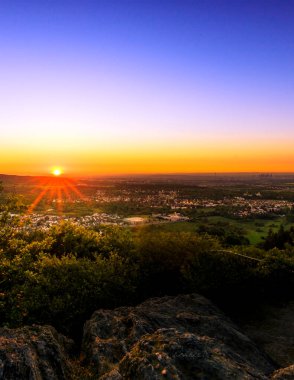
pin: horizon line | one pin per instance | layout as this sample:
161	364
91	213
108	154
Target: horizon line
69	175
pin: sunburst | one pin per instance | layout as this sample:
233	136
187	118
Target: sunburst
56	189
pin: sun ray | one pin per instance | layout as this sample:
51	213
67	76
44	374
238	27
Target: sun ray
67	193
76	191
59	201
55	189
37	201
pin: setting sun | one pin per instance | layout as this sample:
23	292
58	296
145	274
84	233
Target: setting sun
56	171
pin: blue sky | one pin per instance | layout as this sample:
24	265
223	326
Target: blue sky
160	75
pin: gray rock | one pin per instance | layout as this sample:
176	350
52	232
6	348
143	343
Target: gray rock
34	353
112	375
176	355
186	337
284	374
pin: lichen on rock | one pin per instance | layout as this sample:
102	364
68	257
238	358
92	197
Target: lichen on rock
183	337
35	353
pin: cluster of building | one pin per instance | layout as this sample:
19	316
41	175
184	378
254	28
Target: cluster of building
99	218
246	208
250	203
44	222
169	201
241	206
151	198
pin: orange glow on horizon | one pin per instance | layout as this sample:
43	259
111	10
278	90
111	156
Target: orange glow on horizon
195	156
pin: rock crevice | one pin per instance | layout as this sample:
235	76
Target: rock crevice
183	337
180	338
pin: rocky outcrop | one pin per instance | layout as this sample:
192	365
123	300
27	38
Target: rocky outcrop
184	337
284	374
34	353
176	338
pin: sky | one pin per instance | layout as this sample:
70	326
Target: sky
144	86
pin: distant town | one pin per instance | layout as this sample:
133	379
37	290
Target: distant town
185	201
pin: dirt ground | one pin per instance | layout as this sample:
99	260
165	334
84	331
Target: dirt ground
273	331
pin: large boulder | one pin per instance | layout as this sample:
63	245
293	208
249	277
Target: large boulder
183	337
34	353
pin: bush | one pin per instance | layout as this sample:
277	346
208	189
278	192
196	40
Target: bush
65	291
60	277
161	257
217	273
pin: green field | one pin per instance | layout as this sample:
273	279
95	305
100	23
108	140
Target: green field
254	229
